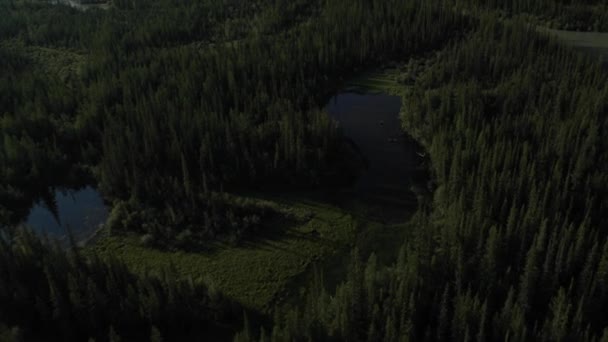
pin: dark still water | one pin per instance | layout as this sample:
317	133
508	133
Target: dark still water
81	210
394	160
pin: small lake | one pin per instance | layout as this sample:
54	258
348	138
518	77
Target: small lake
394	160
81	210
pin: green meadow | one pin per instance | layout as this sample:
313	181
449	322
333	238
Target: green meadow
594	43
275	266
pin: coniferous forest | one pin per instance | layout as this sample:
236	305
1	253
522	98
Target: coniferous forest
204	126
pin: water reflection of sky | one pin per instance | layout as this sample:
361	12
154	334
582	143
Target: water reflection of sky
80	210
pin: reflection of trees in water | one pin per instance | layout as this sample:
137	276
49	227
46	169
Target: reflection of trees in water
49	201
395	179
76	213
23	194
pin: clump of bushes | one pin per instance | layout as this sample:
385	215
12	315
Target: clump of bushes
222	217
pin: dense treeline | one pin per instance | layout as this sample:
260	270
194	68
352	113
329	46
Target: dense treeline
40	145
40	24
168	114
191	122
47	138
515	247
176	104
517	123
47	293
50	127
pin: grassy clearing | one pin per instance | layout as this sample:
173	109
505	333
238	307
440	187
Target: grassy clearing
369	235
595	43
273	268
255	273
60	63
380	81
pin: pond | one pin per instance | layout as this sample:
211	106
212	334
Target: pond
81	211
395	166
394	161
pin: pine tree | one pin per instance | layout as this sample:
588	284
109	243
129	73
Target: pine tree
113	336
155	335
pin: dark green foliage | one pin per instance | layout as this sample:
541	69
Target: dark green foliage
166	113
515	247
40	145
242	218
177	104
213	120
48	293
